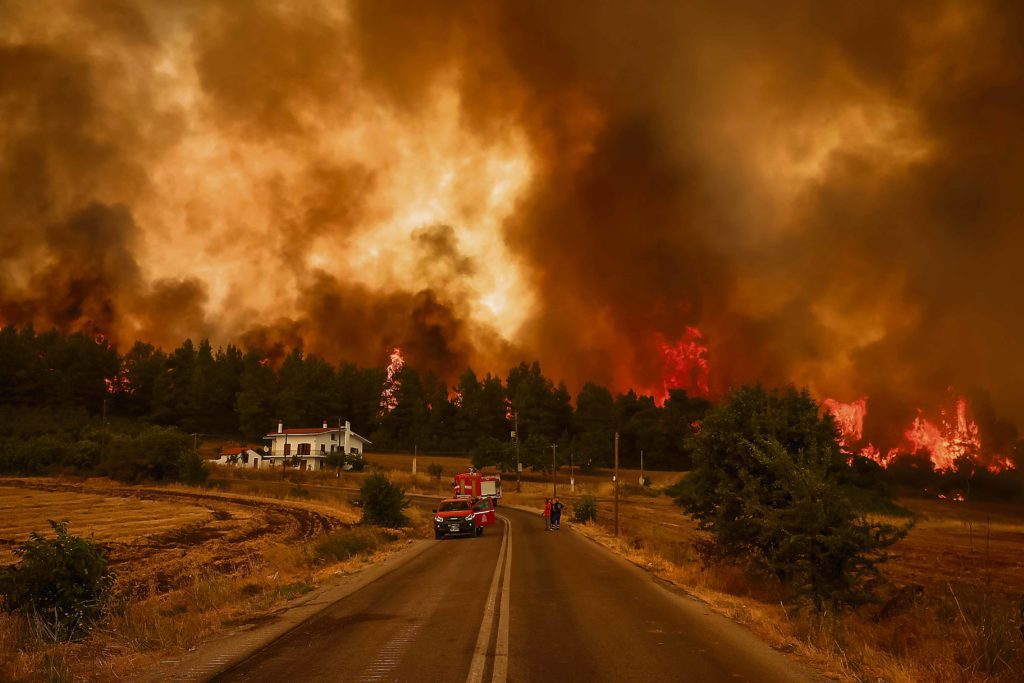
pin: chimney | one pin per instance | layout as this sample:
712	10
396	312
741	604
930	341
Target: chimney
325	424
280	426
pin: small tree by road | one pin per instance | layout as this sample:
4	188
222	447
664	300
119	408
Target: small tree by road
383	502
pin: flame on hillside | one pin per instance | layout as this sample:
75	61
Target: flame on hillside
685	364
953	438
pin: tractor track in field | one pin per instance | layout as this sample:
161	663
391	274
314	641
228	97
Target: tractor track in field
230	540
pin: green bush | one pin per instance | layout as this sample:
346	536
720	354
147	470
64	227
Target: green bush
155	454
355	462
347	543
382	502
435	470
62	582
585	510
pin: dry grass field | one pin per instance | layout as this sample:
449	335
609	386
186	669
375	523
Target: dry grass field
187	562
105	518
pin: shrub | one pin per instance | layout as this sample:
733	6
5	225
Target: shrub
585	510
354	462
63	582
156	454
435	470
382	502
347	543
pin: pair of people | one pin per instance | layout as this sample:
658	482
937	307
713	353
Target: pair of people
552	514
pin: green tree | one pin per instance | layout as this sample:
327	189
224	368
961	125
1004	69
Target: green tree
490	452
683	415
142	364
768	484
383	502
254	402
171	391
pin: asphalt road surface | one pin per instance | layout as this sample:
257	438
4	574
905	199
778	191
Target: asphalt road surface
518	604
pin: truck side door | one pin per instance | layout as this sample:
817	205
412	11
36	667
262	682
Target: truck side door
484	509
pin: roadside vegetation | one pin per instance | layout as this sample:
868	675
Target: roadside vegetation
193	577
383	502
60	586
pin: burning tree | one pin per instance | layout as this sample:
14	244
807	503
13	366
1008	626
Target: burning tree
388	398
771	484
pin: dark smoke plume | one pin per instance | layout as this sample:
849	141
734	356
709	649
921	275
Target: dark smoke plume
829	193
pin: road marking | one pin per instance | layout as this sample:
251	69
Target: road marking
500	672
479	662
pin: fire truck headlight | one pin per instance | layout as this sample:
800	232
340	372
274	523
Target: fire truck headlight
469	517
438	519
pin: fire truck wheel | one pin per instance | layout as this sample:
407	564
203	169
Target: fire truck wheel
438	535
479	531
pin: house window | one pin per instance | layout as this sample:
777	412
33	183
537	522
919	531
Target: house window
287	449
323	448
303	449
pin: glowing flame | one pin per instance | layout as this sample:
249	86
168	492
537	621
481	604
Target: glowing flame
685	364
1000	463
946	442
953	438
388	400
849	419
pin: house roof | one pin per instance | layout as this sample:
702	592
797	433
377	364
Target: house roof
314	431
233	451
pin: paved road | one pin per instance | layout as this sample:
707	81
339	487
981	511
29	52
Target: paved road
518	604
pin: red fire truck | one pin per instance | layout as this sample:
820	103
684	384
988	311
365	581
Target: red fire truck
475	485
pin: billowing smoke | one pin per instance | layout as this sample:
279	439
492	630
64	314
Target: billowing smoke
828	196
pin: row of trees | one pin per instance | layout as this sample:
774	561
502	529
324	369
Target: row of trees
239	393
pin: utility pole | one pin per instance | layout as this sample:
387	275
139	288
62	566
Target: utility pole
572	475
554	482
641	468
415	452
616	483
519	467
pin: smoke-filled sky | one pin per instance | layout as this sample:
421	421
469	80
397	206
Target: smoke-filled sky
830	193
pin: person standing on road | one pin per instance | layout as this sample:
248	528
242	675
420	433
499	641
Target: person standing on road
556	514
547	514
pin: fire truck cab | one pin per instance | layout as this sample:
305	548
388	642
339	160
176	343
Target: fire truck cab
475	485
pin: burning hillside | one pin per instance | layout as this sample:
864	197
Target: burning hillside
949	442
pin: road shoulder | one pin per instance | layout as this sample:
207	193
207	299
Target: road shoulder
229	649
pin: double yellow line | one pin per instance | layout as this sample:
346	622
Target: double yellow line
499	670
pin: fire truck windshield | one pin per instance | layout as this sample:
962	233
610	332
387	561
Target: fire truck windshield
454	505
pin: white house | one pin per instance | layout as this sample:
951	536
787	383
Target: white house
239	457
311	445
